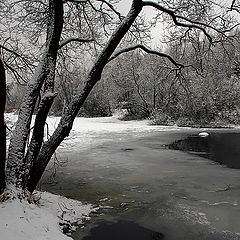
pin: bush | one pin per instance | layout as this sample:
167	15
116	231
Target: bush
160	118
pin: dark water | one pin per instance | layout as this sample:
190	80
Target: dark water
122	230
156	193
222	148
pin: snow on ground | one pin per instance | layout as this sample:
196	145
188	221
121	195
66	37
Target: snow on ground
20	220
89	131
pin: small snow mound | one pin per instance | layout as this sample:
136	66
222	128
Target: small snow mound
203	134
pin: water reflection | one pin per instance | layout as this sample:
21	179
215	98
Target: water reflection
122	230
223	148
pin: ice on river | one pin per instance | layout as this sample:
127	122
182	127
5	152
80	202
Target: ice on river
90	131
87	132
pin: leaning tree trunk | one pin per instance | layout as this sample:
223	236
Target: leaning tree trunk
2	126
66	122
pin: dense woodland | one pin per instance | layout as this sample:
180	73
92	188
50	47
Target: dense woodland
85	58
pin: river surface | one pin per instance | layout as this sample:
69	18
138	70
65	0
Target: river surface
148	190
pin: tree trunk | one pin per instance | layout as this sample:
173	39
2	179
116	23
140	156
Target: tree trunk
66	122
45	73
2	126
37	136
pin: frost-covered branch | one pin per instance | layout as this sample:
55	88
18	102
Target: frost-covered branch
147	50
234	7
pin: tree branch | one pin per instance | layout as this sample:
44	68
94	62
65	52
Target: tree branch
232	4
27	62
73	39
112	8
147	50
194	24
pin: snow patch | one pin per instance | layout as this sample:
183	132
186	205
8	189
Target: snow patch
21	220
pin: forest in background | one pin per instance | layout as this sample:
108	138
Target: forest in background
204	92
85	58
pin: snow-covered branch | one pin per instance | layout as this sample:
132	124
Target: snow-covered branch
147	50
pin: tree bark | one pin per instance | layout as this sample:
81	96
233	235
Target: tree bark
45	73
66	122
37	137
2	126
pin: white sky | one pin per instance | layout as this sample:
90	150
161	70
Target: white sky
149	13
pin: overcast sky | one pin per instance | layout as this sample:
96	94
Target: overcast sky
149	13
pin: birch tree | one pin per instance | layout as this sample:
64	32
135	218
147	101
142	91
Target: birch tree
25	162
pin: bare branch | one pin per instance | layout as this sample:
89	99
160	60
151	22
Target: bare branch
76	1
27	62
147	50
232	4
112	8
194	24
68	40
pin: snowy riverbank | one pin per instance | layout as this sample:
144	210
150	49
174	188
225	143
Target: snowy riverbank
55	214
128	163
45	221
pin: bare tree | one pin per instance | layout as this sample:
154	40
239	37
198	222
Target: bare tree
26	164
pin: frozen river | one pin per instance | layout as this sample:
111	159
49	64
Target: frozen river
152	192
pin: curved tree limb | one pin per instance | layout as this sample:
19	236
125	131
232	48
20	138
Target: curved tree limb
147	50
232	4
